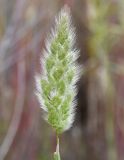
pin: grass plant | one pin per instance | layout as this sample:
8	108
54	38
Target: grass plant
56	86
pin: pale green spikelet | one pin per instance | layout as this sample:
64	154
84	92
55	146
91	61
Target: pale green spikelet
56	86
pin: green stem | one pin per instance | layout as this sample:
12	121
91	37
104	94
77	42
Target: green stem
57	153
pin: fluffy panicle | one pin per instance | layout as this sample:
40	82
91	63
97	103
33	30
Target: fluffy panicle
56	87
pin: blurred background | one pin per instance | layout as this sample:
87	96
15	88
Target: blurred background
98	131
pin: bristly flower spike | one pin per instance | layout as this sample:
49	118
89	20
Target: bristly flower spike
56	87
